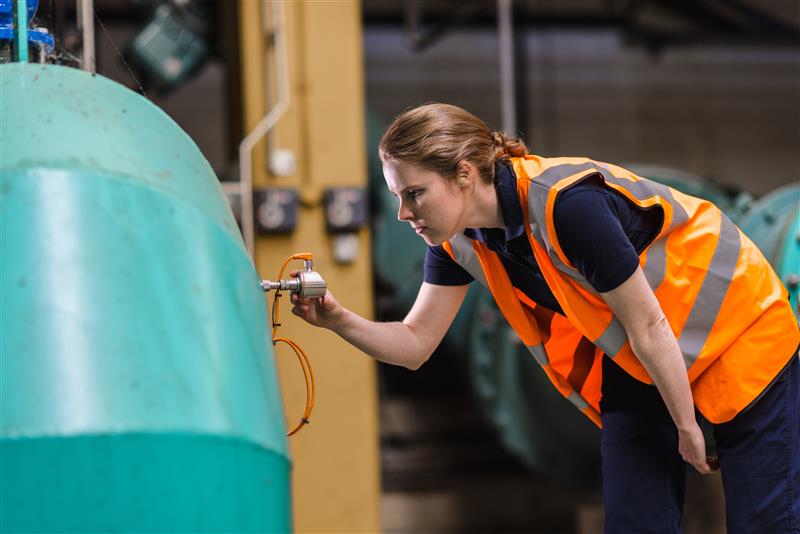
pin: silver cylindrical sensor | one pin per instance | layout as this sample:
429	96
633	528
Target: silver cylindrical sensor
312	285
307	284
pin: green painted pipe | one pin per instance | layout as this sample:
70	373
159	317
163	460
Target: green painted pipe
774	226
139	391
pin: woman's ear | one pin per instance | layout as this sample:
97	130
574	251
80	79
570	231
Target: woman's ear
465	172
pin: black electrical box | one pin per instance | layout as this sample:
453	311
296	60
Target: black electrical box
345	209
275	210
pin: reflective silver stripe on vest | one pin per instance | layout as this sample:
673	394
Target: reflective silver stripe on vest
555	174
466	257
612	340
579	402
537	201
656	264
544	242
538	192
712	292
539	354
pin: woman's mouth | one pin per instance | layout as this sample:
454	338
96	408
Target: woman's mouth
420	229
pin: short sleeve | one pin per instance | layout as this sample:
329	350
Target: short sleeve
442	270
591	235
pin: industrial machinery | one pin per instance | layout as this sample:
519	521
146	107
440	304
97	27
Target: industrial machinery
139	390
36	43
173	44
774	226
733	202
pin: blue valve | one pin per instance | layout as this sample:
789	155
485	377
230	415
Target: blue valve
39	37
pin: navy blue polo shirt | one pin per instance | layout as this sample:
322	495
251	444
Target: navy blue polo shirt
600	231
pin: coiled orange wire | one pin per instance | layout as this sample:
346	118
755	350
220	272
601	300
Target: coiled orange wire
301	355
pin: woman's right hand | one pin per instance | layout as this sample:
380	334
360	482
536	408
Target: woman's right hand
325	312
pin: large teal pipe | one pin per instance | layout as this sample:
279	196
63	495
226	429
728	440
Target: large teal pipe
774	225
139	390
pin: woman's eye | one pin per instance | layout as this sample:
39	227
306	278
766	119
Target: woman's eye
413	194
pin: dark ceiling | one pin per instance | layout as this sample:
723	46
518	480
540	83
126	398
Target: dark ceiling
658	23
653	23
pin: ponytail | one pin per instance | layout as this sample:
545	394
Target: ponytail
505	148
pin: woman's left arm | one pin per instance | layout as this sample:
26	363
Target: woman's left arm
653	342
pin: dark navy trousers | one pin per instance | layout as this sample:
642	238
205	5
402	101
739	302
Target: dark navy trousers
644	476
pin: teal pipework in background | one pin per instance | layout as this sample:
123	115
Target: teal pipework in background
774	226
789	262
735	203
139	391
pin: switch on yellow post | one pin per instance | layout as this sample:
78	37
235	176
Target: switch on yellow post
335	479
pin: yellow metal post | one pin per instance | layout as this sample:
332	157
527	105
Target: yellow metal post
336	466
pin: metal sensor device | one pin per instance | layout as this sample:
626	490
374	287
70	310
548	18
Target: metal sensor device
307	284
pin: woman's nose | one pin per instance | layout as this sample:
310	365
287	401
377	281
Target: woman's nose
403	213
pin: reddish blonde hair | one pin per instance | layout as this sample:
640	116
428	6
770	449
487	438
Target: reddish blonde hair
437	137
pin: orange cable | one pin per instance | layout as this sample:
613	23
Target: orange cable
302	357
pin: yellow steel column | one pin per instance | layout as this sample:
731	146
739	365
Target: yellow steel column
336	467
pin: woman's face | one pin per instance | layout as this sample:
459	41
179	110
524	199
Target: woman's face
431	204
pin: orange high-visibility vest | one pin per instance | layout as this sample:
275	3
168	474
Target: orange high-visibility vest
726	306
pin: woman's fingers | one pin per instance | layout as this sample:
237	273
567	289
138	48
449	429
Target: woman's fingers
304	308
314	310
702	467
301	311
326	302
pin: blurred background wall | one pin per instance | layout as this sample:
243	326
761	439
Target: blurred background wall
717	111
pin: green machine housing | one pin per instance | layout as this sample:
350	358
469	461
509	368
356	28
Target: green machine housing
139	391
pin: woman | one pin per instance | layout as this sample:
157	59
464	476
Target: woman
615	284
